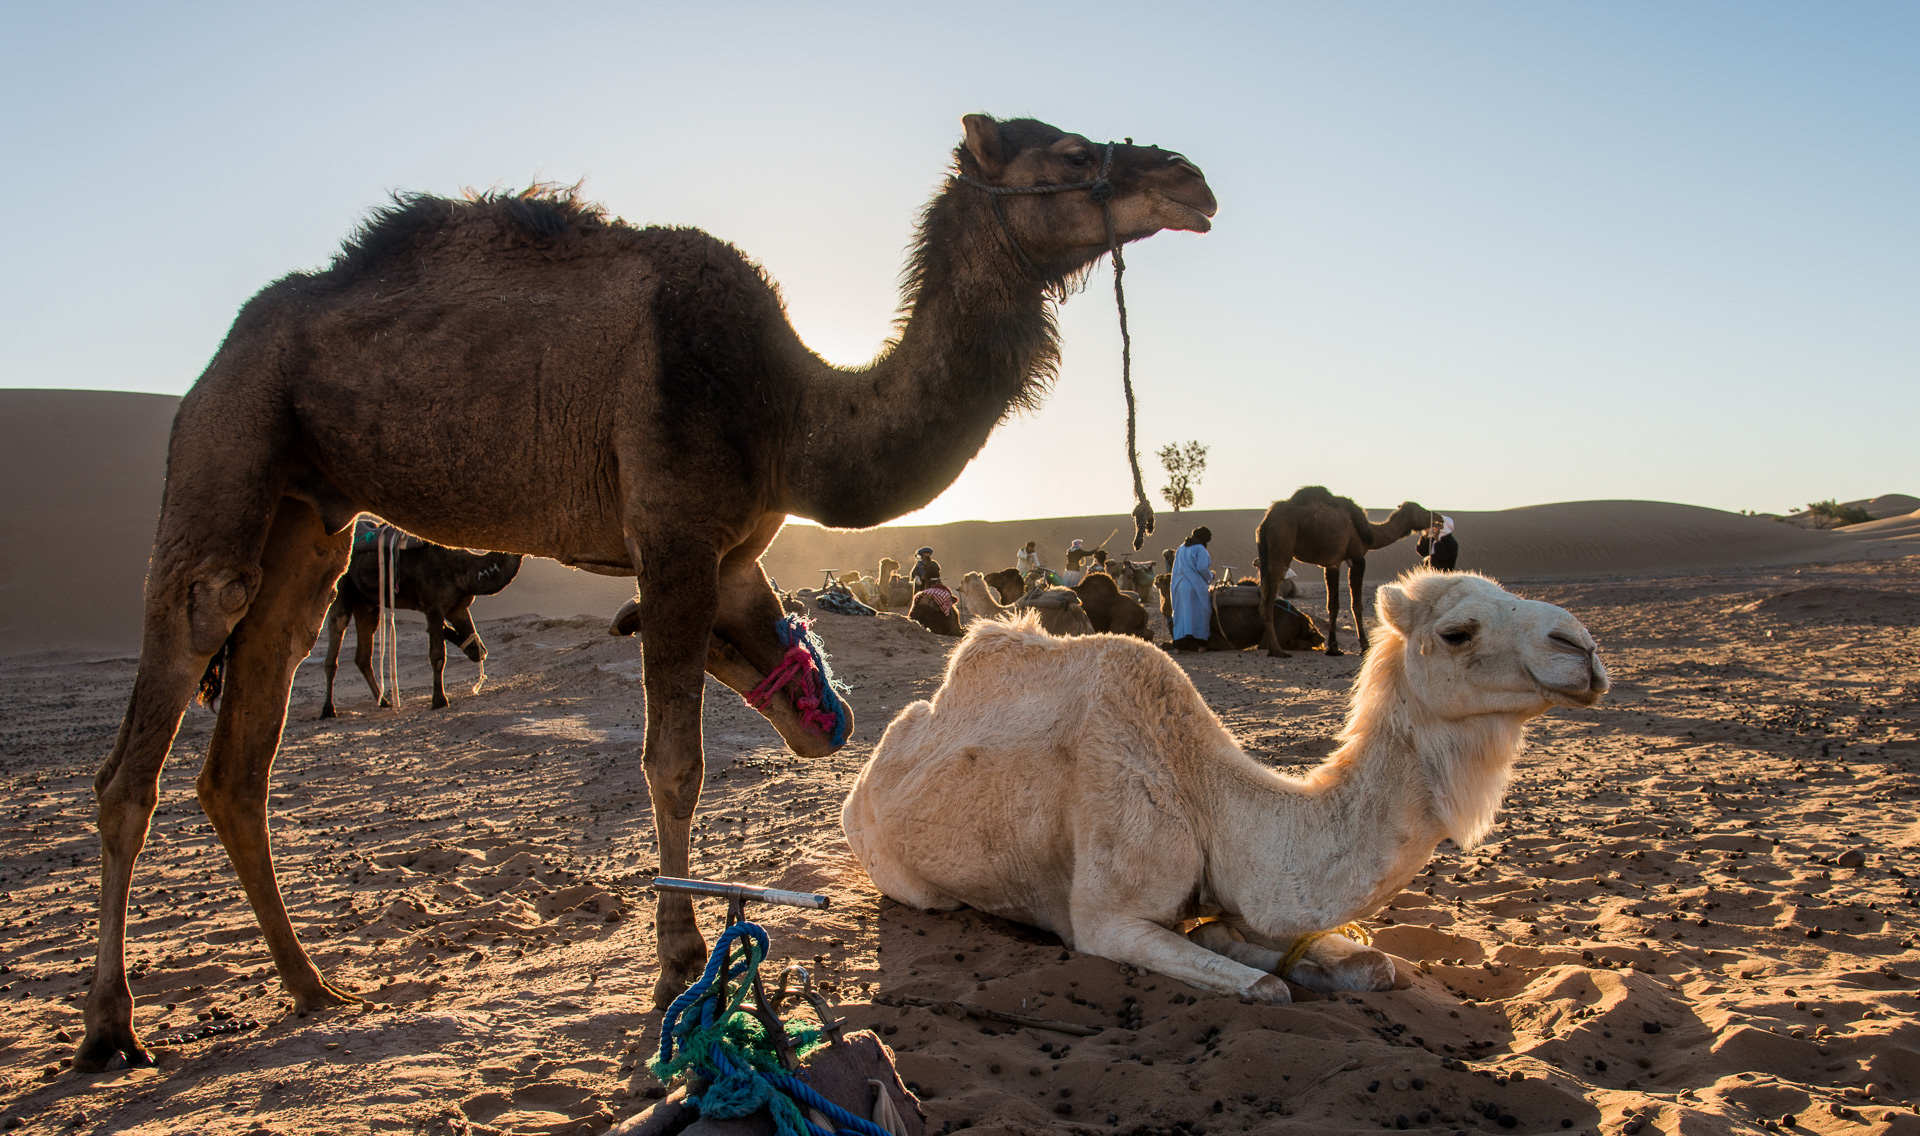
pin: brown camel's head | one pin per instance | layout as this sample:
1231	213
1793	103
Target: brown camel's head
488	572
1411	516
1152	189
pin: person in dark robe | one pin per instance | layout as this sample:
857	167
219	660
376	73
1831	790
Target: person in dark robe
926	570
1438	544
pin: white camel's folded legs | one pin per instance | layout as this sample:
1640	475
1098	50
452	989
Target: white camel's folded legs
1331	962
1142	943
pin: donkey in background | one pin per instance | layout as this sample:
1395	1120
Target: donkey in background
434	580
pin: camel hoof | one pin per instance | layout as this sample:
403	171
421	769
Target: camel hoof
1277	653
439	704
385	704
326	711
325	995
669	987
97	1054
1335	651
1271	988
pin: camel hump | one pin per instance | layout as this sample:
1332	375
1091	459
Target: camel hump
1312	495
393	233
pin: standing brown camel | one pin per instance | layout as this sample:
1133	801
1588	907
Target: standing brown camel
522	373
1315	527
438	582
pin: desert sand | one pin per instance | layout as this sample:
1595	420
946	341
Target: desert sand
1696	913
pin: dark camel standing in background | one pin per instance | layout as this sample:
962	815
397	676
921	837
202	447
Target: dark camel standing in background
438	582
1315	527
521	373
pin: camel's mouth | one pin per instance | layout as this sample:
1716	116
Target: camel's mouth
1588	695
784	706
1191	217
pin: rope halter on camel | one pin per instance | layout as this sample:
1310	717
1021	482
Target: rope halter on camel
818	696
1100	189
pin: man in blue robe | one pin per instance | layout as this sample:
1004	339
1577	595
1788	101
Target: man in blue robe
1192	602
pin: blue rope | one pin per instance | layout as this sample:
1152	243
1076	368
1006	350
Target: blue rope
727	1048
794	629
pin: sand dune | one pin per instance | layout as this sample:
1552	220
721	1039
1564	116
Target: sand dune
82	472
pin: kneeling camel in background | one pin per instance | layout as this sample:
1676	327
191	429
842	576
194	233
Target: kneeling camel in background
437	581
1113	813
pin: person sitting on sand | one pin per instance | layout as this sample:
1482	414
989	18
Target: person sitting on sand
926	570
1438	545
1192	602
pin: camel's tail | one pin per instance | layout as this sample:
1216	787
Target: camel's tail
215	676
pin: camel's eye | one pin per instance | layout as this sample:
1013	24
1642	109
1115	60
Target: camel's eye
1459	636
1079	158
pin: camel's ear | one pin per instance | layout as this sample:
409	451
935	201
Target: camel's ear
1395	607
983	142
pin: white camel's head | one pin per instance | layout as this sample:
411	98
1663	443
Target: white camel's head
1465	663
1469	647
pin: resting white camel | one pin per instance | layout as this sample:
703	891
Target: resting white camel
1037	788
1059	609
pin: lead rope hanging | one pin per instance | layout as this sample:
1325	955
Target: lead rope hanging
1100	189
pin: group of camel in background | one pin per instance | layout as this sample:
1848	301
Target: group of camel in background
1313	526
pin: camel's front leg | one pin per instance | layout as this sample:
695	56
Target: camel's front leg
1356	598
437	655
1144	943
1330	962
462	634
1333	609
679	592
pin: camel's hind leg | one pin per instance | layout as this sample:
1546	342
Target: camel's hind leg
299	567
366	621
204	574
1273	571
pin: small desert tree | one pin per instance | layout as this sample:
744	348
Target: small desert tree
1831	514
1185	464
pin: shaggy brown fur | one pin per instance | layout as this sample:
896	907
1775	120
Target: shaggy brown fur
522	373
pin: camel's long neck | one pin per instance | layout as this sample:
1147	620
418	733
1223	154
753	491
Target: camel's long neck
1372	813
1386	532
978	339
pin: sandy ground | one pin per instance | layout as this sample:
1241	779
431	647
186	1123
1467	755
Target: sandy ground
1695	913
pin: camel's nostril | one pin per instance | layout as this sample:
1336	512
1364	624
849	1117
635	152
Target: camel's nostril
1568	643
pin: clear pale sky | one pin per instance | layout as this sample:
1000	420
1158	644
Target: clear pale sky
1476	254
